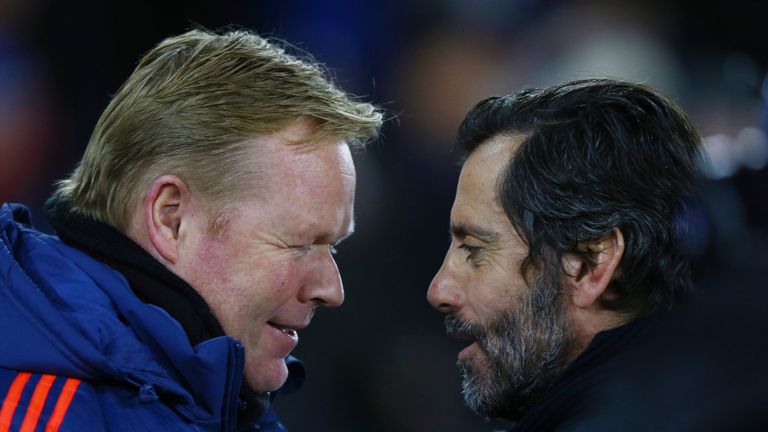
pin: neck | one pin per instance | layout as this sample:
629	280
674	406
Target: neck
586	323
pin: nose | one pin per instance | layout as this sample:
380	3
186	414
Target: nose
444	293
324	286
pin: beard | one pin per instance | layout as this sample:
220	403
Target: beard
524	351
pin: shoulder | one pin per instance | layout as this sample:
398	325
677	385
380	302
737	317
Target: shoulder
46	402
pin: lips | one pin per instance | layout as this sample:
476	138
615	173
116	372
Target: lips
290	331
467	351
284	338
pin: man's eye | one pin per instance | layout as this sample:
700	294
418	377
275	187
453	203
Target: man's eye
471	250
302	249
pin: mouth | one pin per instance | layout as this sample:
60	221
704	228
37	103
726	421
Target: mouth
472	342
465	331
288	330
284	337
468	351
463	334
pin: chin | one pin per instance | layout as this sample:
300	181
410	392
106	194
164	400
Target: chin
264	376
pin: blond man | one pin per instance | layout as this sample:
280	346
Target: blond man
195	240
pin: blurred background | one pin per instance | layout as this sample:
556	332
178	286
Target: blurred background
382	362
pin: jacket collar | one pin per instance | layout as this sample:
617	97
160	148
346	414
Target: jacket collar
151	281
76	317
571	396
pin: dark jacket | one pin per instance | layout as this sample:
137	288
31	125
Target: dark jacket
573	396
80	351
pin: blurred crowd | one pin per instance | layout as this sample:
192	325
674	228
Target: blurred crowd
382	362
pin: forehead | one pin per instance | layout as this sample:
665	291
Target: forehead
478	181
288	165
312	187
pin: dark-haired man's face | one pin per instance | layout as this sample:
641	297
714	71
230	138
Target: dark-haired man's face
517	329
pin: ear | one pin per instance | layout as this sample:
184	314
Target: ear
587	283
166	203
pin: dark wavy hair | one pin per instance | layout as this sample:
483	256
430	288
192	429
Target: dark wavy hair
597	155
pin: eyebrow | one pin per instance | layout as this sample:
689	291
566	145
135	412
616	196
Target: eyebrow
461	230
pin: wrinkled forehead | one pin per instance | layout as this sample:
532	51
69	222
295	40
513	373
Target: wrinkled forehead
311	191
287	167
321	167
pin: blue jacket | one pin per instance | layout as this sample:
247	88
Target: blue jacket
79	351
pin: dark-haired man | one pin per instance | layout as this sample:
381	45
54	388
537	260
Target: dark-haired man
564	236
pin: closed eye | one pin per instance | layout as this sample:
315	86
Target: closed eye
470	250
308	248
302	249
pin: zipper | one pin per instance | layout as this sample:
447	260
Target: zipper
234	381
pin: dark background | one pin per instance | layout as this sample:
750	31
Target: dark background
381	362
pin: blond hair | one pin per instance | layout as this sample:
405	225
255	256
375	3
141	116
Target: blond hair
188	109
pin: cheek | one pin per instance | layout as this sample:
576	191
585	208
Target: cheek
496	293
281	282
244	285
211	275
275	284
280	276
211	268
256	288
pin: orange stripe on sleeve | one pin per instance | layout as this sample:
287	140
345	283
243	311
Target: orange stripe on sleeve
62	405
37	403
12	400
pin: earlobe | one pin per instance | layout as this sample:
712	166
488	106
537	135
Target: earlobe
587	283
164	207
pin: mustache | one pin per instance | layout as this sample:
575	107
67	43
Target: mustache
457	327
